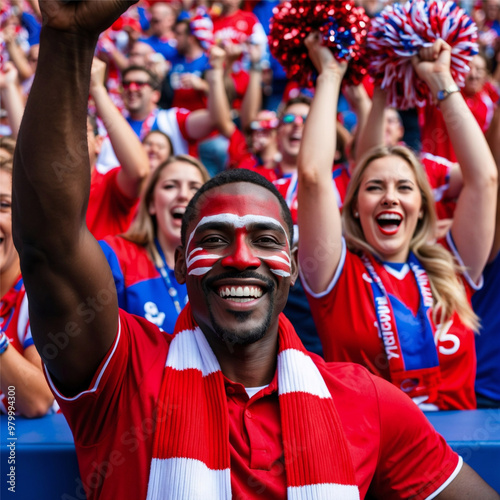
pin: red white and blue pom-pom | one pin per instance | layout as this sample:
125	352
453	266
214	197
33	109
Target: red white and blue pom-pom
398	33
342	25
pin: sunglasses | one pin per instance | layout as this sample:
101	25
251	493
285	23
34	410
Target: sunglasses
291	118
138	84
264	124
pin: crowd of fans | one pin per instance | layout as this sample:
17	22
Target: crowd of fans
184	89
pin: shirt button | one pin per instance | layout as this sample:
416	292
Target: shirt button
248	414
230	390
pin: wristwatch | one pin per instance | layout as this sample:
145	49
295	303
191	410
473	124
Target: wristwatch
443	94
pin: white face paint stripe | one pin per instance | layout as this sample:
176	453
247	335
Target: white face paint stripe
236	221
277	259
190	261
197	249
280	273
199	271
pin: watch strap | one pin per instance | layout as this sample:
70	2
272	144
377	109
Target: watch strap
444	93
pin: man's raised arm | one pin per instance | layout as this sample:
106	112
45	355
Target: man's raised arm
73	306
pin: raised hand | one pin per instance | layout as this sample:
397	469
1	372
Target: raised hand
254	52
97	74
191	81
322	57
8	75
82	16
432	64
217	57
233	51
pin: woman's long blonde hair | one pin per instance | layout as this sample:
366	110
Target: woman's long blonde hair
442	268
144	226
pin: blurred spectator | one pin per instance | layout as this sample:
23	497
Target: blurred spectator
113	46
142	54
14	41
140	95
481	98
234	29
11	97
113	195
158	147
491	9
261	137
161	32
189	63
487	36
274	78
235	26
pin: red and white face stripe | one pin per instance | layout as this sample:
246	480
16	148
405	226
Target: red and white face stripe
200	261
281	266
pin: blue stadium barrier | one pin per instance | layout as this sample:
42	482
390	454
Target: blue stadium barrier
474	435
45	465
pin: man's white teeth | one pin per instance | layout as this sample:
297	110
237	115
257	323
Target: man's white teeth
247	292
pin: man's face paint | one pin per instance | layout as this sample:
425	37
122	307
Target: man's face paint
238	264
200	261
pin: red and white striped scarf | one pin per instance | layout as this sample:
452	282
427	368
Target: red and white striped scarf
191	457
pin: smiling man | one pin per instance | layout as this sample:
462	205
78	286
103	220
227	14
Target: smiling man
231	406
237	262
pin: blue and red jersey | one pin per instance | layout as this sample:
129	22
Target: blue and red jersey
346	321
14	321
140	286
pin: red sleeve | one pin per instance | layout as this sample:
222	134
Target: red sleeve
138	350
110	211
437	170
492	91
414	460
240	79
182	115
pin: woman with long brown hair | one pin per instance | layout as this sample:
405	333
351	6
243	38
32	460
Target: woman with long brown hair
382	293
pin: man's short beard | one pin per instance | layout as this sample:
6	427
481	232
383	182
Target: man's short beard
231	337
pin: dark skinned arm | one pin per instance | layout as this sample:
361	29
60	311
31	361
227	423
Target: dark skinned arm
68	281
468	485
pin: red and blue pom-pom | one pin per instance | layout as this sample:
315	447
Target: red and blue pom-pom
398	33
342	25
